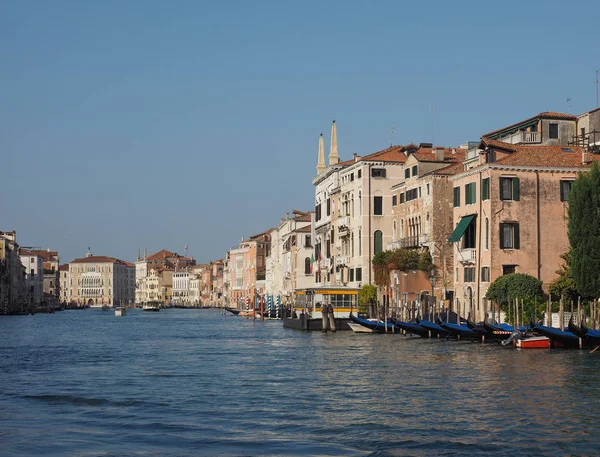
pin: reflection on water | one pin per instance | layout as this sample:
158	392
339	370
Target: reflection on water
195	382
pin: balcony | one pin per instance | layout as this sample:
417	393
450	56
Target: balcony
342	260
522	138
409	242
466	255
324	264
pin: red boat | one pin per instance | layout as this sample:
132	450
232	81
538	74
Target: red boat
535	342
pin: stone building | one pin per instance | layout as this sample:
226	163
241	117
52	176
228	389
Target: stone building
99	280
510	215
51	277
34	278
13	294
422	214
64	297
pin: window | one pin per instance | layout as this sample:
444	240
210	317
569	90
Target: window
378	172
470	274
508	269
468	238
394	200
307	266
378	206
485	189
485	274
486	240
359	274
412	194
328	248
427	188
318	212
351	274
307	242
456	197
509	235
470	194
456	276
328	206
509	189
565	190
414	170
406	173
32	272
351	176
553	130
402	198
359	173
378	241
33	260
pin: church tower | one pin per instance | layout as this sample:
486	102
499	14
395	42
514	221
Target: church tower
321	160
334	157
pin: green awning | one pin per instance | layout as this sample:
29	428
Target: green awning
461	228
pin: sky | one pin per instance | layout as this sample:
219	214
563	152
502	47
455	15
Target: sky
138	124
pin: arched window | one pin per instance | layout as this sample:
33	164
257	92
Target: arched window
307	266
378	241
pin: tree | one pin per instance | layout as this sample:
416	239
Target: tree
516	285
366	295
564	285
584	232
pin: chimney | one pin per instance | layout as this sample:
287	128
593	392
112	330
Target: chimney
334	157
585	157
356	157
439	155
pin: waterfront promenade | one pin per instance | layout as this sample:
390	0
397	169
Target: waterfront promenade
196	382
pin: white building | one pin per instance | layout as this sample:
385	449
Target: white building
181	288
34	276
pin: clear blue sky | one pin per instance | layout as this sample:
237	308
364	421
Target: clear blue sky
126	124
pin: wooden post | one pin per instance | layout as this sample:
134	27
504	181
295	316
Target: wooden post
561	313
579	310
549	311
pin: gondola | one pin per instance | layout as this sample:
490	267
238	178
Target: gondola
433	329
461	331
376	326
410	327
592	336
233	311
575	329
559	338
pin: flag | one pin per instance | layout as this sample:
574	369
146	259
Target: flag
312	261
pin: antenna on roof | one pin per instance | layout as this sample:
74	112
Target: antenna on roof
569	105
597	89
393	133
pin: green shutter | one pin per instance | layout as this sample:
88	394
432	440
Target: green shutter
485	189
516	236
473	193
456	197
501	236
515	183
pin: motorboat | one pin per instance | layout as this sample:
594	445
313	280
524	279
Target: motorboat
151	307
121	311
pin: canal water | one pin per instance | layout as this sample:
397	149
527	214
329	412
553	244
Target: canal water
199	383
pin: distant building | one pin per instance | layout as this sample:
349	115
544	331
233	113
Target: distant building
34	277
99	280
14	297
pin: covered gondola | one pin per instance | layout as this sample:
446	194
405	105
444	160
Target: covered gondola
411	327
460	331
434	330
558	337
591	336
376	326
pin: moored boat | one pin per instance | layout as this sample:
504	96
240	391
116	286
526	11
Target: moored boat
433	329
233	311
359	328
533	342
121	311
558	338
460	331
375	325
410	327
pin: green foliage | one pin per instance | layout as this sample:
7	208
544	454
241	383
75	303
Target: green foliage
584	232
519	286
425	261
403	259
365	295
381	258
563	284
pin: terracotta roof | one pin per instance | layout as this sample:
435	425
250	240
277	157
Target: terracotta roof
303	218
129	264
548	156
427	154
161	255
450	170
543	115
63	267
496	144
98	259
391	154
46	255
306	229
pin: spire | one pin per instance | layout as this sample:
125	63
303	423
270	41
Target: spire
138	257
321	163
144	253
333	151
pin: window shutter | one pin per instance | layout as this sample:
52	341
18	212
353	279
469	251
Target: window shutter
501	236
474	193
501	189
515	183
562	191
516	236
